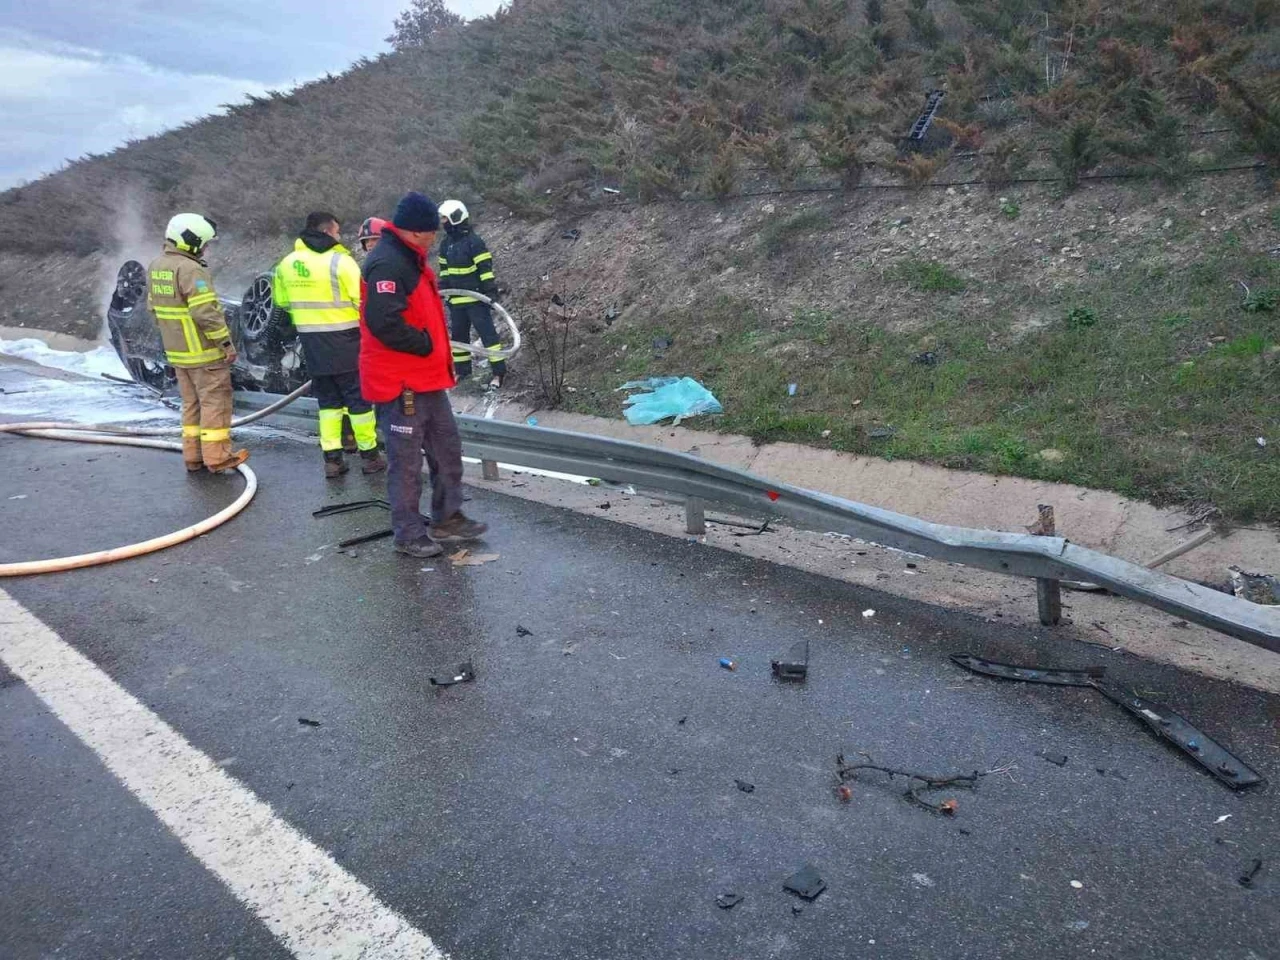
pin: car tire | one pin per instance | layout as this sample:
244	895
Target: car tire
260	321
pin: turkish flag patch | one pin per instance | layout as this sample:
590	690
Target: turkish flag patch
386	286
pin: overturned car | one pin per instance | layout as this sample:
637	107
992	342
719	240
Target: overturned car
270	357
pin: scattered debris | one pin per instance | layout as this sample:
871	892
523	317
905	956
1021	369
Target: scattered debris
949	807
727	901
791	389
573	234
797	909
677	397
308	723
918	784
881	433
728	664
21	496
924	880
1259	588
1077	884
805	882
844	792
680	722
1160	720
1251	874
465	558
795	665
1077	926
1262	442
1223	819
745	787
427	570
868	614
926	359
523	631
1057	759
604	506
462	673
611	190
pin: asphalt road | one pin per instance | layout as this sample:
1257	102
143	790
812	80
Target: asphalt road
578	799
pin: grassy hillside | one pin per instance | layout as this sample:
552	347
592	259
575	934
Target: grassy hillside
549	101
1089	301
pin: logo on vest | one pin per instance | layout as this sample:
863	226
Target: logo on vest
400	428
300	269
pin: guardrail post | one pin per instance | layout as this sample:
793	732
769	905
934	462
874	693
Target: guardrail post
489	469
695	520
1048	592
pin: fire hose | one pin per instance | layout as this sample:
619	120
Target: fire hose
148	437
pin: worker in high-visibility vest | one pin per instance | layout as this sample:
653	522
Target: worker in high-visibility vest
319	284
197	343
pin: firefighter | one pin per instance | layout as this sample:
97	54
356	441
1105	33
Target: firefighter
407	372
196	341
467	264
319	284
370	231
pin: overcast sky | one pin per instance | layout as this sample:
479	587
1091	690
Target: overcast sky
83	76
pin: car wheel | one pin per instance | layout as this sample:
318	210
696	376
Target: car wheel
131	283
257	310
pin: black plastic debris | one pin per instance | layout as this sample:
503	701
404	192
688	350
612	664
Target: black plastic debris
523	631
573	234
1251	874
926	359
805	882
462	673
727	901
745	787
1057	759
797	909
794	667
680	722
662	344
1156	717
308	723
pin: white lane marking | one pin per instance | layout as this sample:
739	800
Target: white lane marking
317	909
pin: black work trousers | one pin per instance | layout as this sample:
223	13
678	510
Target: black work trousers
462	318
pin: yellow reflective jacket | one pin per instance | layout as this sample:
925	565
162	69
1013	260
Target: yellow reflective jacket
180	296
321	290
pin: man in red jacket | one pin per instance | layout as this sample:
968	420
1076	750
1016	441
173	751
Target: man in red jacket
405	372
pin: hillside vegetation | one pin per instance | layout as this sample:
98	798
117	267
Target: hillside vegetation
550	100
1074	277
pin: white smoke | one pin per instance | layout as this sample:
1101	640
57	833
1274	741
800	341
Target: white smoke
131	238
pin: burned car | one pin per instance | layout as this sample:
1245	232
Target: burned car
270	356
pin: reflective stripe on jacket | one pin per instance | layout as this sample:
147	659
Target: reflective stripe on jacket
466	264
181	297
321	291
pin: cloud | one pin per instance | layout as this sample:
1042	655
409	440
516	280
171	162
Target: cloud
59	101
84	76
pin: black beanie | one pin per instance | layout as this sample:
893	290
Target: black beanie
416	213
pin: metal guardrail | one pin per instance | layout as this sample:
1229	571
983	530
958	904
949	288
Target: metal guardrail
1043	558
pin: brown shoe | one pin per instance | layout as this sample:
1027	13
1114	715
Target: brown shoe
194	466
334	468
233	461
374	462
457	529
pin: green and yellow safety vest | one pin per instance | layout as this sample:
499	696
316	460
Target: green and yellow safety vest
321	291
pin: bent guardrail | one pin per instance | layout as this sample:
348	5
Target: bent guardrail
1016	554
